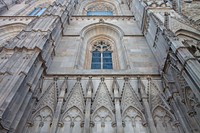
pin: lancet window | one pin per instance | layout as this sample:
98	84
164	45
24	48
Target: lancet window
101	56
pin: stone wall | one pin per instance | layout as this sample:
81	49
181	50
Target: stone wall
101	104
46	84
23	60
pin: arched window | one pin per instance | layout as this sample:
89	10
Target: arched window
99	9
99	13
101	56
37	11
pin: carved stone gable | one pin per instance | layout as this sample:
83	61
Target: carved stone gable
49	98
76	97
129	97
102	97
99	7
156	98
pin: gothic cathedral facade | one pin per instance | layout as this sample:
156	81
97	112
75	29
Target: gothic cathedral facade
99	66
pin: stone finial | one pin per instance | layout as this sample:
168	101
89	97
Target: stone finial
166	20
174	5
89	89
126	79
78	78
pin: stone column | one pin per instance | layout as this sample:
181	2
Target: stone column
118	116
21	111
88	106
172	96
59	107
189	66
178	112
144	98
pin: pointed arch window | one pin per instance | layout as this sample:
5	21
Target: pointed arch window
101	56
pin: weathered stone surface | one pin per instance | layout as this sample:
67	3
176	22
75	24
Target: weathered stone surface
47	84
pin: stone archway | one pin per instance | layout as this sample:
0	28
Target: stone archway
107	32
9	31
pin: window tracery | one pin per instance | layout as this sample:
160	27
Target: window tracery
100	9
101	55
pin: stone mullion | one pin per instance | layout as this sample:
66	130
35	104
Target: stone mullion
101	59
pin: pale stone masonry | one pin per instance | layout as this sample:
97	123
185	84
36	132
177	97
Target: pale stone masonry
48	83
